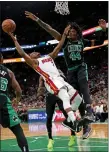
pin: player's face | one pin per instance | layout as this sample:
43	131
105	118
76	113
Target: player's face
35	55
73	34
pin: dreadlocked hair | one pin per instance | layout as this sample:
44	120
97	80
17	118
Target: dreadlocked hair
75	26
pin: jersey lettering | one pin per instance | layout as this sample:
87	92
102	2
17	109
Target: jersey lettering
74	48
46	60
3	73
75	56
4	83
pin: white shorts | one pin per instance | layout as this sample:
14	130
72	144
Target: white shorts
55	84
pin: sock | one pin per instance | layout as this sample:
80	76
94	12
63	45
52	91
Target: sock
73	133
68	119
71	116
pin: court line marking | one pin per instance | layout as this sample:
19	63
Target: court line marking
67	147
32	141
13	145
79	139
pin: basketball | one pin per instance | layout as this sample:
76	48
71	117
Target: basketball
8	25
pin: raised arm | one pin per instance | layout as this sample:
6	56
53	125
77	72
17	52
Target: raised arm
15	85
27	58
45	26
55	52
101	38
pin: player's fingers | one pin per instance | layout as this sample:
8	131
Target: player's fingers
101	21
27	16
11	34
68	28
26	12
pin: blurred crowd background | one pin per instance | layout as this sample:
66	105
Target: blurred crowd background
29	32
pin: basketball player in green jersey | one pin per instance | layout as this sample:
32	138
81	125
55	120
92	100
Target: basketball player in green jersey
8	116
74	58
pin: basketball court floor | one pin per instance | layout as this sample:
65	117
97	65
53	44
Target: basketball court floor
37	139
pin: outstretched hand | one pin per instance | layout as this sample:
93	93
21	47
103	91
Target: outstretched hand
14	38
102	24
67	29
31	16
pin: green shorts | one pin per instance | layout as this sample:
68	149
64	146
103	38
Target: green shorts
8	116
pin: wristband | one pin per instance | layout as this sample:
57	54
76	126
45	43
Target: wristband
37	19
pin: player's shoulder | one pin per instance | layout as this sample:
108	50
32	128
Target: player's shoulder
11	73
4	68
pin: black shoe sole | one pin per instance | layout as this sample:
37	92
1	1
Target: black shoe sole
68	127
88	134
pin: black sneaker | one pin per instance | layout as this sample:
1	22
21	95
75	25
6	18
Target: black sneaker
86	132
74	126
89	117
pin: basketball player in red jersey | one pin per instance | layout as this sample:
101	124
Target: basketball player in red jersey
54	83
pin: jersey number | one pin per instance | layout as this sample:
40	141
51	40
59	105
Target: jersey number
75	55
3	84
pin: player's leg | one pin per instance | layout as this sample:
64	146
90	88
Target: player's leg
75	100
9	119
21	139
64	96
84	89
83	84
73	81
72	137
58	86
50	108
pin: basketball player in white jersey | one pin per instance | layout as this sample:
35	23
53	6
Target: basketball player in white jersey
54	83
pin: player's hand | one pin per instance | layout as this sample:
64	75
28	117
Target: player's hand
67	29
102	24
31	16
14	38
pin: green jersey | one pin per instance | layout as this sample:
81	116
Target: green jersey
4	80
9	117
73	52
